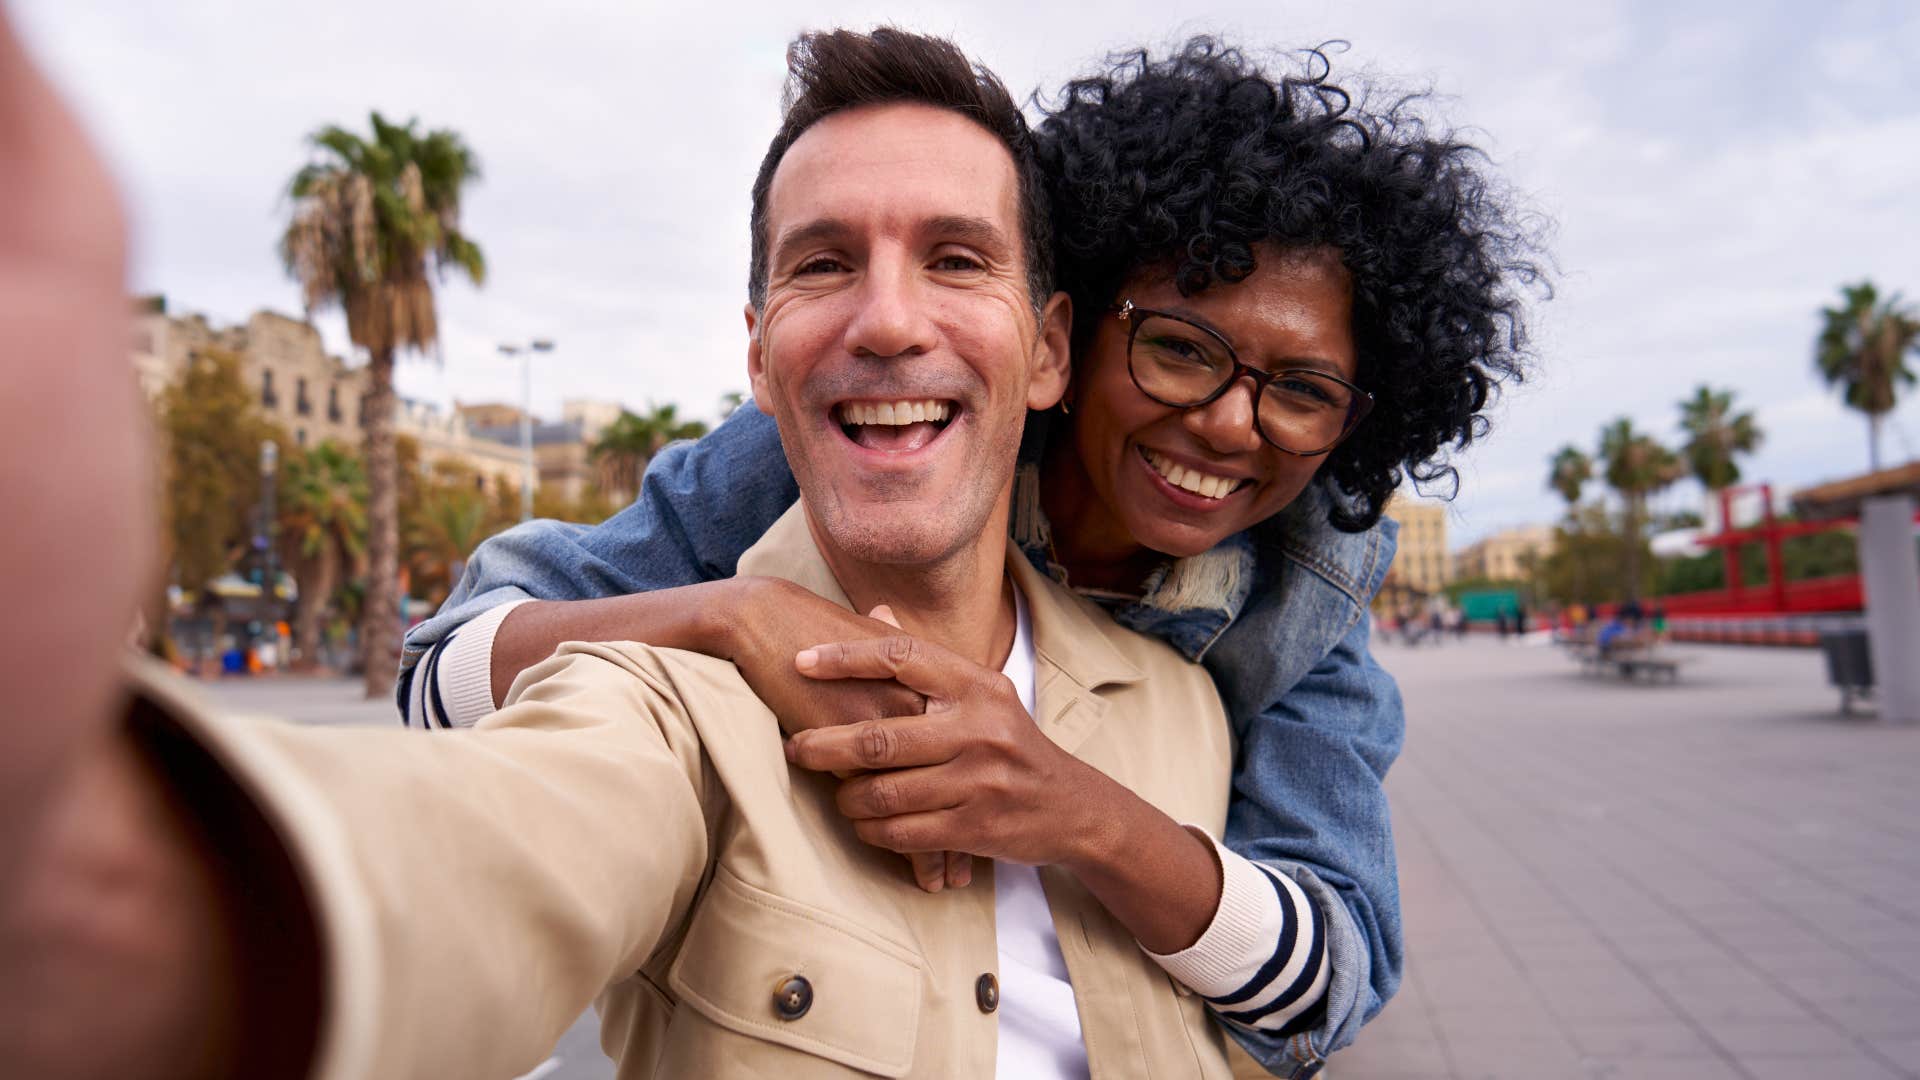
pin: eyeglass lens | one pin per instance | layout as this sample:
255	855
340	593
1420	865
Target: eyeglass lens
1180	364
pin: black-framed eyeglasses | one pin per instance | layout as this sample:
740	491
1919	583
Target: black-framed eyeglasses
1176	362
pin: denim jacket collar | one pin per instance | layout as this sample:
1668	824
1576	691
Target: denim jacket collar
1190	602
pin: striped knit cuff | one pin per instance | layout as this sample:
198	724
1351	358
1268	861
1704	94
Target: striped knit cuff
1245	927
464	671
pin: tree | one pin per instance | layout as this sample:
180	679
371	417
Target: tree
626	446
1568	473
451	519
1716	436
375	223
1862	349
1589	550
1636	466
323	529
212	467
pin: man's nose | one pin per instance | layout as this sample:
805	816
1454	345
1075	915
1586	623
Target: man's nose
892	317
1226	423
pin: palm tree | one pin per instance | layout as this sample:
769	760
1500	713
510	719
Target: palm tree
323	523
1716	436
1636	465
1568	473
450	521
626	446
1862	349
375	223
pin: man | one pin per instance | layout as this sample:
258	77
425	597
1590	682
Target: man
190	895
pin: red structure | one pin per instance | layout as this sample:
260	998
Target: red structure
1754	613
1777	596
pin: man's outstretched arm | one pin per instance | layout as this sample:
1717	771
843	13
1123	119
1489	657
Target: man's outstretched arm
232	897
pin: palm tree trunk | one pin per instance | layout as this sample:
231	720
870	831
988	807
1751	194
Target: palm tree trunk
1873	442
380	615
316	591
1634	515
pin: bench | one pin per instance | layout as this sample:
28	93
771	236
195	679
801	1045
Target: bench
1654	666
1628	659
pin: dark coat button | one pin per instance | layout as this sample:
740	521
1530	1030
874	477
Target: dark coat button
794	998
986	992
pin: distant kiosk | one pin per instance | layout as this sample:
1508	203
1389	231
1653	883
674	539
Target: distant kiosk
1885	502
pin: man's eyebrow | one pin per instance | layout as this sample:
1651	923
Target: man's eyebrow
965	229
820	229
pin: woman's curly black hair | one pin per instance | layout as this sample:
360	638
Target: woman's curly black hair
1188	162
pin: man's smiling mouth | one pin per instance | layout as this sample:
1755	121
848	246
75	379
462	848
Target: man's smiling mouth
894	427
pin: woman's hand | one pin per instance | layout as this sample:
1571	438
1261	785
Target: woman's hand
974	773
763	624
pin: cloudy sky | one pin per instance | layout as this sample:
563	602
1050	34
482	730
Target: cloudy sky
1714	176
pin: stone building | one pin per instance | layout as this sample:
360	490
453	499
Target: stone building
562	451
1507	555
1420	565
314	396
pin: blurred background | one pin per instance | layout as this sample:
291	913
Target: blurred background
1719	176
1725	380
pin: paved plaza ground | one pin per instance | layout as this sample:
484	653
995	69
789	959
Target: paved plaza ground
1715	879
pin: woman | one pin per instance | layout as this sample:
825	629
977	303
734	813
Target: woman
1281	301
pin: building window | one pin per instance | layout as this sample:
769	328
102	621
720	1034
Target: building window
300	436
300	403
333	404
268	399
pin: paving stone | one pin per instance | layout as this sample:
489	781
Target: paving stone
1713	880
1849	1067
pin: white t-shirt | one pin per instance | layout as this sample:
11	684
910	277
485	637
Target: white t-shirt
1039	1025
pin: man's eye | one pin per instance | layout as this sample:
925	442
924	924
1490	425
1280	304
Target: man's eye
956	262
822	265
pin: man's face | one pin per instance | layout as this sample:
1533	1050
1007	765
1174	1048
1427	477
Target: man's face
897	347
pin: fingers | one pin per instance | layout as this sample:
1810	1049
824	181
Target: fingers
959	866
929	870
909	832
890	794
928	668
893	743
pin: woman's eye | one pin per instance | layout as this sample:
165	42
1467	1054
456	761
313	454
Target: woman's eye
1180	347
1304	388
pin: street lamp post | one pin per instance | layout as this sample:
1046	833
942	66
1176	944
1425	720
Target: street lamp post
269	470
538	345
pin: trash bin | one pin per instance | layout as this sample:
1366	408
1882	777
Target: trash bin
1849	664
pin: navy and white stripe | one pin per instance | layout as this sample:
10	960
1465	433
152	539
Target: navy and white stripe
1263	962
452	684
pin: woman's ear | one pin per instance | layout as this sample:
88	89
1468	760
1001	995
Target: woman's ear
1052	359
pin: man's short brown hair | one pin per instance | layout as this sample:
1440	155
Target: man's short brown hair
832	70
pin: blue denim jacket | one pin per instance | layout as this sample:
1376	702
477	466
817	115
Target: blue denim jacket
1278	615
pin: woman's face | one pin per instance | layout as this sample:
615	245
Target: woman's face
1294	311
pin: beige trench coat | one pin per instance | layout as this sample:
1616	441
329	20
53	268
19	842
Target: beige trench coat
627	826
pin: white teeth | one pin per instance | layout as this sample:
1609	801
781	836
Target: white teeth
1203	484
894	413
